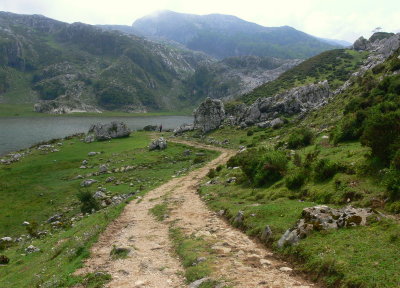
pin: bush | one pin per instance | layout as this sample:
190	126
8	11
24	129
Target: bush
295	180
325	169
250	132
211	173
88	202
394	207
199	159
219	168
392	180
382	134
300	138
271	168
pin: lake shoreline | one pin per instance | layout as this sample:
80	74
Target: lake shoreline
19	133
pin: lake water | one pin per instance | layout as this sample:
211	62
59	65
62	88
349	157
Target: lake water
22	132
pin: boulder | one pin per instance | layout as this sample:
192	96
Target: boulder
103	168
31	249
322	217
361	44
266	235
183	128
299	100
108	131
54	218
239	218
158	144
88	182
209	115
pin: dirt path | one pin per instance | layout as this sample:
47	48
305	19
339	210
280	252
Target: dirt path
152	263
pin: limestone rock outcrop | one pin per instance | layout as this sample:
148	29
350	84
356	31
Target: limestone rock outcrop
158	144
322	217
209	115
294	101
109	131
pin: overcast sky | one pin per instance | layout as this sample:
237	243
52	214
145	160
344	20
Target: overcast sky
335	19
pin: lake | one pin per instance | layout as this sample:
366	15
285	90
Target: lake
22	132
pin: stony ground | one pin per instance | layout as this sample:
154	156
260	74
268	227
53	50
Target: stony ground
239	261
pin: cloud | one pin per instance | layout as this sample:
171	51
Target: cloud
339	19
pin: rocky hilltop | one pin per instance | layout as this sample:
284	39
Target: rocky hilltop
295	102
223	36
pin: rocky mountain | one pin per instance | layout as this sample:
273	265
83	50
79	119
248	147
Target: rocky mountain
224	36
77	67
269	106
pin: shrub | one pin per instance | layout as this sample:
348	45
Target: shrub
211	173
300	138
394	207
271	168
392	180
219	168
250	132
325	169
295	180
88	202
198	159
382	134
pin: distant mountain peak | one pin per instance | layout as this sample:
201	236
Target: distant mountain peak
222	36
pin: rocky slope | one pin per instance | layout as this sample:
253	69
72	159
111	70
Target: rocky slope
224	36
270	111
76	67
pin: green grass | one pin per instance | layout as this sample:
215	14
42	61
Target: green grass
189	249
26	110
335	66
159	211
351	257
42	184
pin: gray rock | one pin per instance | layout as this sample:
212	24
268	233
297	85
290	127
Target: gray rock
110	179
93	153
231	180
239	218
183	128
209	115
266	235
84	162
325	218
88	182
361	44
158	144
31	249
89	139
103	168
289	238
114	129
99	195
197	283
54	218
6	239
294	101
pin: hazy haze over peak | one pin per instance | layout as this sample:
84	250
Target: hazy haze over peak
334	19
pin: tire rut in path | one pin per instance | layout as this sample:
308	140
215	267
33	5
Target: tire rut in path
152	262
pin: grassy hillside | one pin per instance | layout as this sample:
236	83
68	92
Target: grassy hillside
346	153
336	66
42	184
50	60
